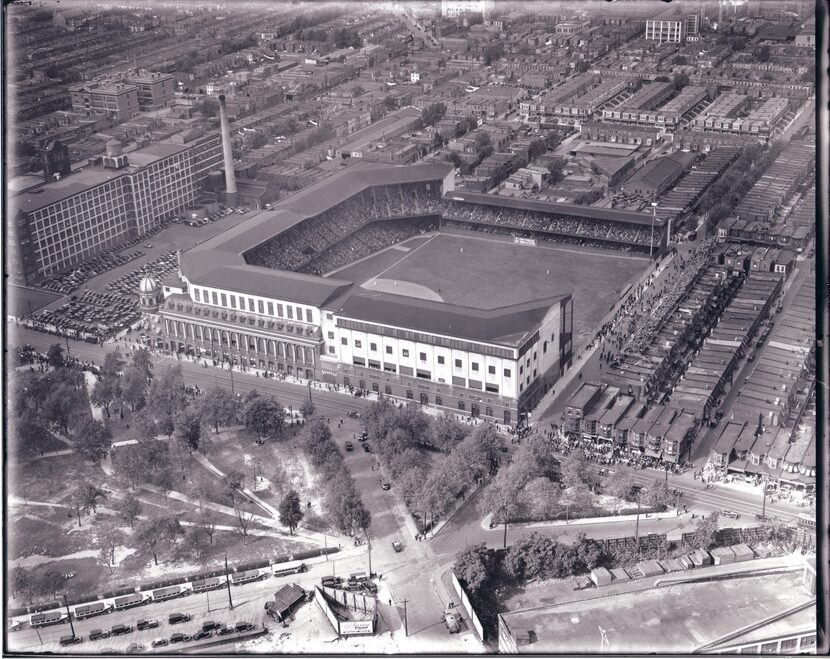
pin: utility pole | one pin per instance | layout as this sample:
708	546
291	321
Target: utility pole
228	584
309	393
405	626
69	615
369	549
764	504
67	346
637	529
505	533
653	219
230	363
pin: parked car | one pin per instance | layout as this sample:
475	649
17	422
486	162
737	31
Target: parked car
149	245
135	648
730	513
243	626
97	634
349	446
353	415
396	546
176	618
209	625
367	447
146	624
71	639
118	630
384	485
160	642
364	436
224	631
178	637
202	634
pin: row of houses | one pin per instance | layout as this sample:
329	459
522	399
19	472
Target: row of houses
600	413
777	184
785	365
711	370
647	372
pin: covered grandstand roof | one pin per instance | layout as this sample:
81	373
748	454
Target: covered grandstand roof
505	325
220	261
591	212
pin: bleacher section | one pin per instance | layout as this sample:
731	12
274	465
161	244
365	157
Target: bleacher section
368	240
310	245
546	226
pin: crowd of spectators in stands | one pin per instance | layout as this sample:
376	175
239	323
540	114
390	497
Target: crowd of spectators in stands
301	246
327	240
645	311
368	240
568	229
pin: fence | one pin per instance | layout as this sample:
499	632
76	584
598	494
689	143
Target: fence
468	607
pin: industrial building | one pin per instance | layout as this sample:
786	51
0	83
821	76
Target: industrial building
81	212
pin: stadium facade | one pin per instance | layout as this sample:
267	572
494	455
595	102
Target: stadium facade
240	299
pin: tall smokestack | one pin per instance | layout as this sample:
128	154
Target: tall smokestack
230	177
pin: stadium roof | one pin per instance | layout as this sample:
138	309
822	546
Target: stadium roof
590	212
220	262
506	325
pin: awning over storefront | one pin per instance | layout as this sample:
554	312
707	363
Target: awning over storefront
738	466
652	454
670	457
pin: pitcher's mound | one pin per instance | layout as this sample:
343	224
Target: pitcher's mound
402	288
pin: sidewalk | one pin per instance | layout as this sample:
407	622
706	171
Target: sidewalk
273	521
582	353
669	514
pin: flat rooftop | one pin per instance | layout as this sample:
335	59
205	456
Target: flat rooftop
671	619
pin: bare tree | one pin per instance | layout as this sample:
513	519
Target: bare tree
243	518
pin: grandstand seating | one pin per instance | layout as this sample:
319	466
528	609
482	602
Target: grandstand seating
380	216
321	243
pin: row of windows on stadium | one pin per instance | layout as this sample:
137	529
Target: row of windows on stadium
359	361
456	380
424	398
258	306
373	347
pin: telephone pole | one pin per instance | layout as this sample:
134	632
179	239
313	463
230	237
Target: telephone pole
68	615
405	626
228	584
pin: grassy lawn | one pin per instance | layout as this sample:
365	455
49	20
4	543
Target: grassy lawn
600	505
51	479
278	465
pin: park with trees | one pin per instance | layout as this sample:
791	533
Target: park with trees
122	472
433	461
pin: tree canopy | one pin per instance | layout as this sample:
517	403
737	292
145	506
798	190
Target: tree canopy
290	510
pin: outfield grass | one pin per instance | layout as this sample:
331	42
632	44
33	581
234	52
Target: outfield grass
487	272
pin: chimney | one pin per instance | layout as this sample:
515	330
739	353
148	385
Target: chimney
230	177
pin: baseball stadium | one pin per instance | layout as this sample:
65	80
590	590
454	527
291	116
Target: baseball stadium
387	279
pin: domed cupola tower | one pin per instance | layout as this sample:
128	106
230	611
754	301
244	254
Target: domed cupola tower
149	293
